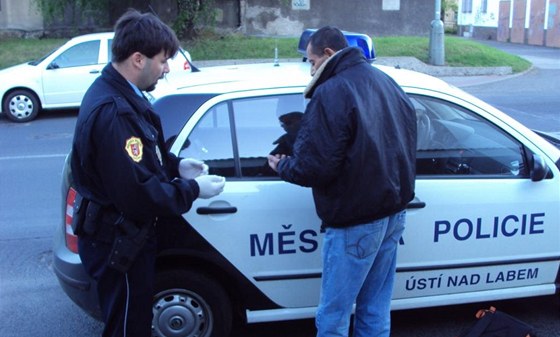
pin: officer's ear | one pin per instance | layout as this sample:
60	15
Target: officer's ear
138	60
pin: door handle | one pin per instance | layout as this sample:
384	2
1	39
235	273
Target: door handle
216	210
415	204
95	71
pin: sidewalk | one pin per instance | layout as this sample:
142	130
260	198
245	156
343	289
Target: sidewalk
458	76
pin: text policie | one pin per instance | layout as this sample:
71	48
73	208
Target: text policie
508	226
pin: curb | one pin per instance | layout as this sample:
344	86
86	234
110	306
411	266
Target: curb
412	63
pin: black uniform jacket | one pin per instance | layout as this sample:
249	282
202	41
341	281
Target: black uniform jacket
356	146
118	155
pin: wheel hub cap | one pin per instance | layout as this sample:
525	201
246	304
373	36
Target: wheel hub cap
179	315
21	106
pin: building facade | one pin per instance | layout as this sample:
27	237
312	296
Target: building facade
535	22
20	18
256	17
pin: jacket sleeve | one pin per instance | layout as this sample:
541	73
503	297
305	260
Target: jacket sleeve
319	151
129	167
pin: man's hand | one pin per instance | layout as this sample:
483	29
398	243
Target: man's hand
273	160
210	185
190	168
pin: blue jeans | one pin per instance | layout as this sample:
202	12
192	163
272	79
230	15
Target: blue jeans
359	267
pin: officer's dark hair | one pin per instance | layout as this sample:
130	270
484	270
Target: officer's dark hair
144	33
327	37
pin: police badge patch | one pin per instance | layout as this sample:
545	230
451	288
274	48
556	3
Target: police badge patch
134	147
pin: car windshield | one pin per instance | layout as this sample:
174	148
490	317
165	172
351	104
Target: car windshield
36	62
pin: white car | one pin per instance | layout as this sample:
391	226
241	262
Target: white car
61	78
485	224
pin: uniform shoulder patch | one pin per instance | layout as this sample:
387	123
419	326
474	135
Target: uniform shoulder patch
134	149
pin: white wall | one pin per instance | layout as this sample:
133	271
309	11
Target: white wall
477	18
20	15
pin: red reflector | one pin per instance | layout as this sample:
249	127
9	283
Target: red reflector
71	239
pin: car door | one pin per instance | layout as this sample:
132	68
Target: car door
69	75
265	227
486	230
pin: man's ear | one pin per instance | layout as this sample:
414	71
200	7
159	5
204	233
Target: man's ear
330	52
138	59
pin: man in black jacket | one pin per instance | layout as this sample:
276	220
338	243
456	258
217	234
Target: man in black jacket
121	166
356	149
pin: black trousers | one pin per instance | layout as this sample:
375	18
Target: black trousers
125	298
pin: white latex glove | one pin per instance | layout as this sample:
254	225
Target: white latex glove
190	168
210	185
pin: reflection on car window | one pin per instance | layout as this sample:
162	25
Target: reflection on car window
82	54
453	141
260	126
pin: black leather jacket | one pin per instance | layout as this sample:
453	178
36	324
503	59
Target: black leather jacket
357	144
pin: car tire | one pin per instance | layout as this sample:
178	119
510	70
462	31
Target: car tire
21	106
190	304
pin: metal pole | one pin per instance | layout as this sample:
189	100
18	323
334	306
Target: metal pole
437	49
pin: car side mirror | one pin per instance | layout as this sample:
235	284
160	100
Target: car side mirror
539	169
53	65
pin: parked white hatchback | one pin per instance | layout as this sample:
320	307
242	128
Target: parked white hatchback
60	79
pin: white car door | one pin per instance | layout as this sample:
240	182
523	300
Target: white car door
265	227
479	229
70	74
486	230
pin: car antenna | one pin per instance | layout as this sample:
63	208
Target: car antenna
194	69
276	61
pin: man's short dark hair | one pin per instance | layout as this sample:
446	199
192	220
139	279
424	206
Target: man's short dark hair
144	33
327	37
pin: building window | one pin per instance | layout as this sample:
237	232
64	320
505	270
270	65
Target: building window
484	6
466	6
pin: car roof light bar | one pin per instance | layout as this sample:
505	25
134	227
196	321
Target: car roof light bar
362	41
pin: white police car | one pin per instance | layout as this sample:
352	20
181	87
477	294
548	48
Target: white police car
485	224
61	78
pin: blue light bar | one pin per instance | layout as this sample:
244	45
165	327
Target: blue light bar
362	41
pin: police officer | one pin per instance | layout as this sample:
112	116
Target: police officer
126	177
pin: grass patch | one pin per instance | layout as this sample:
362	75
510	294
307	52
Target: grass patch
241	47
459	52
16	51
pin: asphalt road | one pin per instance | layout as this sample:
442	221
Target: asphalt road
31	156
532	97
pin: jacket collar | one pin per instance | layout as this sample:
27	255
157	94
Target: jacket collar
339	61
125	89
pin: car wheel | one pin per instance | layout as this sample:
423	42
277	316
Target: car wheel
190	304
21	106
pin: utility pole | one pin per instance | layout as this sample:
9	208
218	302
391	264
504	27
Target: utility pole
437	48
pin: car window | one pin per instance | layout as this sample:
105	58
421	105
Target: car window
455	141
235	137
82	54
211	141
109	49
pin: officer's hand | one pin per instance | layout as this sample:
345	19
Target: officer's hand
190	168
210	185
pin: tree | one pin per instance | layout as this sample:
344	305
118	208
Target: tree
448	5
72	12
193	14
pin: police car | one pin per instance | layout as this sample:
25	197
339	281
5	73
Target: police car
485	224
60	79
